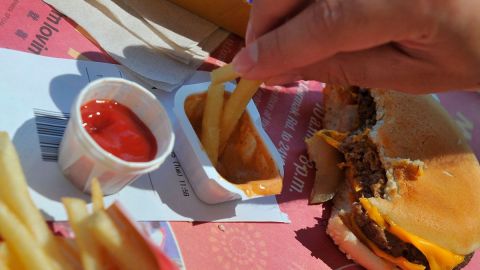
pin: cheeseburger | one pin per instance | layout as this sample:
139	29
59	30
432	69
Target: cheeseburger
409	194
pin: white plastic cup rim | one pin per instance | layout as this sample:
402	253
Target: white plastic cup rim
88	142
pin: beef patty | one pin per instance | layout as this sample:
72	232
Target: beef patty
362	158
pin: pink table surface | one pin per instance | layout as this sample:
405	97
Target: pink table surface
288	115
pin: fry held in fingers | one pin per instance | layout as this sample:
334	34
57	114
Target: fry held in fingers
221	117
210	136
223	74
235	106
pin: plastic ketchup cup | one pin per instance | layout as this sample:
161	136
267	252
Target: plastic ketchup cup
82	158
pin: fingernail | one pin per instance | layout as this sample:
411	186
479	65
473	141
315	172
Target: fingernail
246	59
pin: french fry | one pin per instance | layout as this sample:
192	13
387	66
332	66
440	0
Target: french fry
29	243
223	74
210	136
15	195
97	195
9	258
234	108
70	250
61	259
118	244
17	236
14	191
3	265
77	216
3	251
5	256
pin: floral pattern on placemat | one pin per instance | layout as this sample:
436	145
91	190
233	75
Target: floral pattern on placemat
238	247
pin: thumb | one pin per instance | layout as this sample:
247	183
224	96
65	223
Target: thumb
326	28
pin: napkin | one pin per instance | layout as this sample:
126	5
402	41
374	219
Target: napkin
159	42
165	16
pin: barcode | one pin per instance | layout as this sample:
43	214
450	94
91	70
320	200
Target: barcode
50	128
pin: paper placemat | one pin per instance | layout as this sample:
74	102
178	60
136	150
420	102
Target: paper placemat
34	111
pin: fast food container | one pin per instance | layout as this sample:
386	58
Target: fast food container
81	158
209	185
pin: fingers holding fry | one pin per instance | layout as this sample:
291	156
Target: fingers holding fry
223	74
210	136
232	110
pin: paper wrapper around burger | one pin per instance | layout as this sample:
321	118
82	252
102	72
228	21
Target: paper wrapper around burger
250	166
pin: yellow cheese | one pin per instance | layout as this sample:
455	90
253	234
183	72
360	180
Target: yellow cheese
438	258
373	213
261	187
399	261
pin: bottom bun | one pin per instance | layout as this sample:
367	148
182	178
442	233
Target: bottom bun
349	244
346	241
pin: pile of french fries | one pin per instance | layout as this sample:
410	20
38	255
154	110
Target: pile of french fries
104	239
221	117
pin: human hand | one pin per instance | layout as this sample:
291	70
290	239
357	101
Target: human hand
414	46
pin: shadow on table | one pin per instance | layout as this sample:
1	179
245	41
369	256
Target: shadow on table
44	177
320	244
65	88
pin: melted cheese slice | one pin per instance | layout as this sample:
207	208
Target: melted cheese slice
399	261
438	258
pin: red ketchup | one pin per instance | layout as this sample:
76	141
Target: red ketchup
118	130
